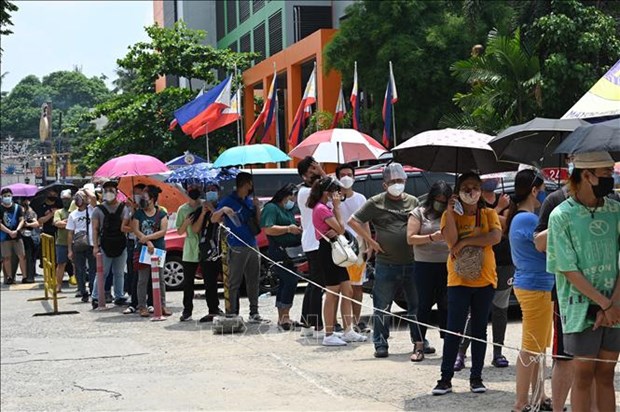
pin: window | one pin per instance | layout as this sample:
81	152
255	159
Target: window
244	10
275	33
308	19
245	44
233	46
257	5
231	15
259	42
219	13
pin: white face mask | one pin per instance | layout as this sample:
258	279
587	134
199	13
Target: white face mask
109	196
396	189
470	198
347	182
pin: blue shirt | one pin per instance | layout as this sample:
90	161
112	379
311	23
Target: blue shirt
530	264
244	213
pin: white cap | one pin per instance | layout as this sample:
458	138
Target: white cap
394	171
66	194
592	160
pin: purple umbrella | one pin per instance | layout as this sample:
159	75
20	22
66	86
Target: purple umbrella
22	189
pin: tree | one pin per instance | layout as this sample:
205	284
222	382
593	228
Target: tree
138	118
422	39
504	86
6	8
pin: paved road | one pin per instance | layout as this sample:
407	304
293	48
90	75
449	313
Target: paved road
110	361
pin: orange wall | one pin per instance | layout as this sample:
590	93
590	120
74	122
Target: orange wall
289	61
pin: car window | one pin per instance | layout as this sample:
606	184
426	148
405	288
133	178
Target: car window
265	185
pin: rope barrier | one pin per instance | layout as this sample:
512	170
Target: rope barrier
428	326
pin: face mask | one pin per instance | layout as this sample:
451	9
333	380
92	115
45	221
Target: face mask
347	182
144	203
137	198
66	203
289	204
541	196
439	207
194	194
396	189
109	196
571	167
7	200
78	201
605	186
211	196
470	198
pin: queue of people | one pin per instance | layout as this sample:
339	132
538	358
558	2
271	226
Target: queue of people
463	250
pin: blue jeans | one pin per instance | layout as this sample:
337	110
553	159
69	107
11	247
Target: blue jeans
81	260
288	281
388	277
463	299
114	267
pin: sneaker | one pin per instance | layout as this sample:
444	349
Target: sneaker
120	301
72	280
381	352
256	318
108	297
26	280
442	388
209	317
476	385
78	294
352	336
94	303
129	310
362	328
185	317
144	312
85	298
459	364
320	334
151	309
333	340
338	327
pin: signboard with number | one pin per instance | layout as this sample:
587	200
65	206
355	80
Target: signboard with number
555	174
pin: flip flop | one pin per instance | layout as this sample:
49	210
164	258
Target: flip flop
417	356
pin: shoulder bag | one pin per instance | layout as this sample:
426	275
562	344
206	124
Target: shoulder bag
468	263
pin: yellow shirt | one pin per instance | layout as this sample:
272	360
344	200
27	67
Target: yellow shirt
466	227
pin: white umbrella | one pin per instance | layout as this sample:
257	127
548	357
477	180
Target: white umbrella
338	146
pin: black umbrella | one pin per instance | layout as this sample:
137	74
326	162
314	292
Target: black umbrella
600	137
533	142
41	194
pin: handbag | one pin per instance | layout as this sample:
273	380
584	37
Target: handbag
81	241
468	263
343	253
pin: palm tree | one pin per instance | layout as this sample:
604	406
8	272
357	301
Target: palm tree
504	86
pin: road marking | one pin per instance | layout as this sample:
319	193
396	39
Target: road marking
303	375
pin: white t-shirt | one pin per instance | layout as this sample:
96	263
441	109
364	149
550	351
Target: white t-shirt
308	238
77	222
349	206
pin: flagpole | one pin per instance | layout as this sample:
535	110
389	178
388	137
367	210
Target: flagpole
238	122
207	142
393	114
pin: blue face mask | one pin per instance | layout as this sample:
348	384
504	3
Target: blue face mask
211	196
541	196
289	204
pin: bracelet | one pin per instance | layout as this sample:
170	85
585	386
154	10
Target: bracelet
430	236
611	303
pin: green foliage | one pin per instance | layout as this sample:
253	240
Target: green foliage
6	8
576	44
422	39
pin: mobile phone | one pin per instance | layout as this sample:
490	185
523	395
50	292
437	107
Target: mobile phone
458	208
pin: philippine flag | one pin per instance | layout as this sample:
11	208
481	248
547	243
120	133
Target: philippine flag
303	111
355	104
391	97
266	118
340	110
204	108
227	116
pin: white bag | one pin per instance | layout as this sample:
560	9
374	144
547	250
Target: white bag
343	254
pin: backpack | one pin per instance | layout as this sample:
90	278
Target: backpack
209	238
113	240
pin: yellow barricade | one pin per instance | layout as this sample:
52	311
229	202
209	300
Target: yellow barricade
48	259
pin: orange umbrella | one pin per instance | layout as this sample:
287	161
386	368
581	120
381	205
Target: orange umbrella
170	197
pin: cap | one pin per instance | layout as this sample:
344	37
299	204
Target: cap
89	186
394	171
592	160
66	194
110	183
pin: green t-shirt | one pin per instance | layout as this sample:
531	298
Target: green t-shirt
389	218
274	215
61	234
580	242
190	247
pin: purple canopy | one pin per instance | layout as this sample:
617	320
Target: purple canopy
22	189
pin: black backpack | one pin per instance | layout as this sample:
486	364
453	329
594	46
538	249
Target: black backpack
113	240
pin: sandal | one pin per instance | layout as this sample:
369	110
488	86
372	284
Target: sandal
129	310
547	405
418	354
500	362
144	312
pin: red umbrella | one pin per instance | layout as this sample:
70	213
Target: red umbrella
339	145
131	165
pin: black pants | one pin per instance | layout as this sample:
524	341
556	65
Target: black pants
312	306
31	257
210	271
131	245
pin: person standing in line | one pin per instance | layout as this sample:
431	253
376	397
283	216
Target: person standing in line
351	203
11	223
431	254
583	253
532	286
62	248
389	213
31	239
46	210
79	227
471	277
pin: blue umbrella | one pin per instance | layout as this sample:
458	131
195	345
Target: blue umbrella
202	174
251	154
186	159
598	137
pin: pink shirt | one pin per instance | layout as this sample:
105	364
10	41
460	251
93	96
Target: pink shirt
320	214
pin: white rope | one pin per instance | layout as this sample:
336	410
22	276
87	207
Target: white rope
428	326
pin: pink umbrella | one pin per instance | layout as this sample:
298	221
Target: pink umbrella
22	189
339	145
131	165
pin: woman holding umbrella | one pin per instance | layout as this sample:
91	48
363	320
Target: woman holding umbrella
471	276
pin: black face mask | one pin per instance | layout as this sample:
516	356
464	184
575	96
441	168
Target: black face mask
194	194
66	203
605	186
144	203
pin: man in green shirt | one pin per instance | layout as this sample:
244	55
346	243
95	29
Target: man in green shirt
62	249
582	251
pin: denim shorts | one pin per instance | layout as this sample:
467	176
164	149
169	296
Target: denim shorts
62	254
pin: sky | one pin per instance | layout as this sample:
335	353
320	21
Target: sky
57	35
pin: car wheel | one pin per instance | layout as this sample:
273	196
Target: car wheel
174	276
268	280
